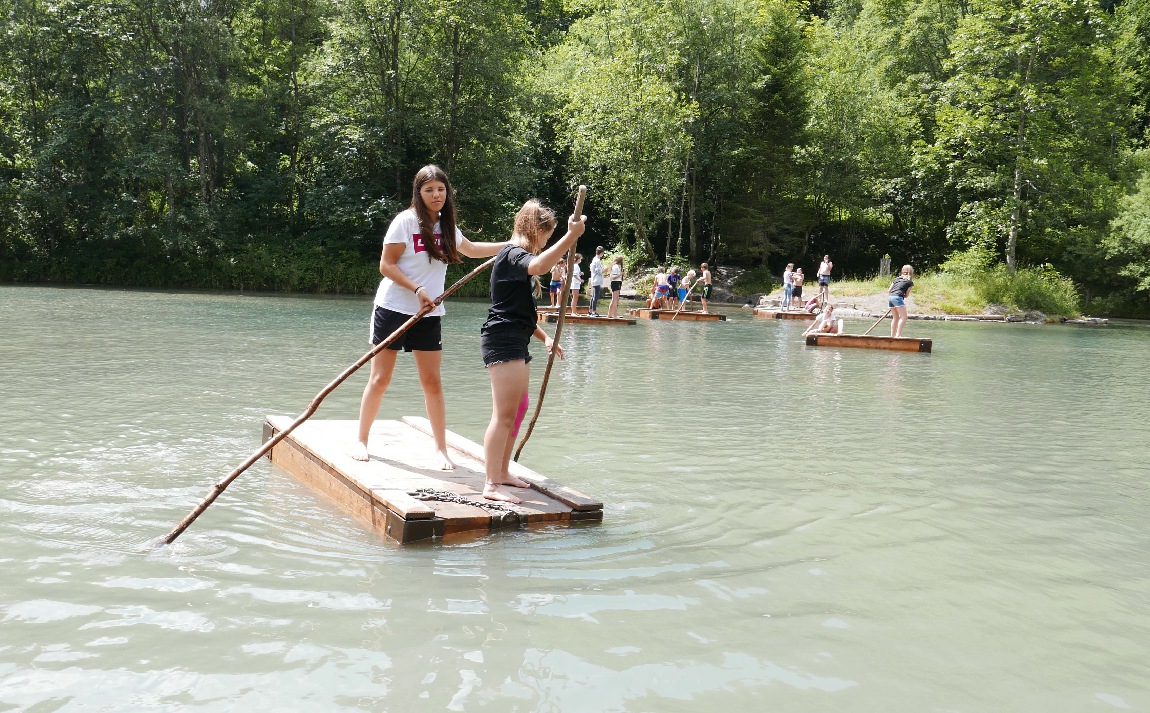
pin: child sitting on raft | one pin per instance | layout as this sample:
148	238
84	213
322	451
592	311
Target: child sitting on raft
511	322
826	323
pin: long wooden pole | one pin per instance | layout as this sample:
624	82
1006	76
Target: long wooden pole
884	314
558	328
683	302
271	442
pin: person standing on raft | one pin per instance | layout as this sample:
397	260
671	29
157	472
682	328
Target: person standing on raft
899	290
705	276
414	267
511	323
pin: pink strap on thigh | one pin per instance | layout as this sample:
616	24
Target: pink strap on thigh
519	416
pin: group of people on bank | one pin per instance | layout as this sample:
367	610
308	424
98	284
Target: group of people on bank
419	244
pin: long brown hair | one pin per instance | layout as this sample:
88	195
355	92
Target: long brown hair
449	252
532	221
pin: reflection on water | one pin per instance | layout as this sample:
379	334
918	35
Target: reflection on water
786	527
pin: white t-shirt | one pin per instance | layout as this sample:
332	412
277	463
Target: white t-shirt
787	274
616	271
416	263
577	277
596	272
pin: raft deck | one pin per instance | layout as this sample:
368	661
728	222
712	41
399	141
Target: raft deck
679	316
379	492
581	309
905	344
551	318
783	314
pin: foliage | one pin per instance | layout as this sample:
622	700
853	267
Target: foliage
266	145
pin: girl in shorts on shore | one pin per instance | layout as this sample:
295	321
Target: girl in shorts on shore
419	244
511	323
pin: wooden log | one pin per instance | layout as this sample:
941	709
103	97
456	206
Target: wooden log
644	313
551	318
860	341
782	314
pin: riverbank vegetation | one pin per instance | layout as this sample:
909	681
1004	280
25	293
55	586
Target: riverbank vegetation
265	145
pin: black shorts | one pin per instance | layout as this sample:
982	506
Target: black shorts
797	291
706	292
426	335
616	285
501	345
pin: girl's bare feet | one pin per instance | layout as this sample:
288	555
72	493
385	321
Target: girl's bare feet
444	460
491	491
514	482
359	452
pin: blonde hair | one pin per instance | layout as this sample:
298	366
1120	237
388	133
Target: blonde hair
907	270
534	223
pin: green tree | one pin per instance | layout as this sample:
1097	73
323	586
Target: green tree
1029	127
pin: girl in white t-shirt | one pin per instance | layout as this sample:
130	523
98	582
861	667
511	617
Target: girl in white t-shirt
419	244
576	282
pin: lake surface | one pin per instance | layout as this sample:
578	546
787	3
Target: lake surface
786	528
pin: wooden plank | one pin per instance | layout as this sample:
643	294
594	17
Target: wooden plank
568	496
551	318
859	341
401	460
680	316
782	314
581	309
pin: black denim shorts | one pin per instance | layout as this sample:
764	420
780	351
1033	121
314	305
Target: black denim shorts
500	345
426	335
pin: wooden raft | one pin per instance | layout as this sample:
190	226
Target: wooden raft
683	316
378	492
552	318
905	344
783	314
581	309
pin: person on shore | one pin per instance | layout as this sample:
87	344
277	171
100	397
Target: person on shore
558	273
658	298
673	280
826	323
419	244
616	286
899	290
824	275
596	281
705	276
576	282
797	287
788	285
511	323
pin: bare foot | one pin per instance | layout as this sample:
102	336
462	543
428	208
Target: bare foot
491	492
359	452
444	461
514	482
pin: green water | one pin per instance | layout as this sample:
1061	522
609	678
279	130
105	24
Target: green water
787	528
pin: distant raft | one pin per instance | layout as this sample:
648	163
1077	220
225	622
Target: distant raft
400	492
783	313
552	317
678	316
861	341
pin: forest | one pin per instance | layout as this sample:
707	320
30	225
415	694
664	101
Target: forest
265	144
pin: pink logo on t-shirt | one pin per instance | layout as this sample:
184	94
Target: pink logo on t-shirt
421	248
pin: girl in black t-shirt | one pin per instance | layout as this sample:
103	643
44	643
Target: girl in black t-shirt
511	322
899	290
